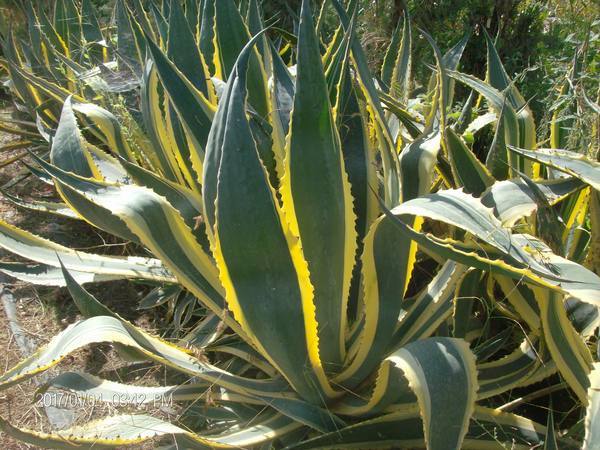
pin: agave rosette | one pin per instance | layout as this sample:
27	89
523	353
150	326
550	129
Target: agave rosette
297	210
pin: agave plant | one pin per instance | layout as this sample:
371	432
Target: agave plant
364	279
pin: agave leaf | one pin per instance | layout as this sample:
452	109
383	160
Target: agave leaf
159	296
90	28
112	432
69	154
417	164
396	69
489	429
337	72
144	19
108	329
161	24
388	260
54	91
105	126
359	162
56	208
523	432
413	363
41	54
194	110
320	419
567	348
499	79
45	275
67	22
591	417
466	114
466	168
441	372
575	237
206	332
183	50
49	30
247	230
548	226
516	254
585	317
265	429
518	368
389	157
400	429
404	429
449	61
466	296
162	152
246	352
68	151
454	207
283	93
390	389
255	25
175	244
191	66
87	304
479	123
593	258
23	90
207	36
108	166
359	159
184	200
316	194
232	35
498	160
575	279
95	214
513	200
36	36
432	306
130	48
484	259
47	252
88	386
508	125
183	147
440	85
124	430
574	164
193	10
411	122
436	112
522	299
305	413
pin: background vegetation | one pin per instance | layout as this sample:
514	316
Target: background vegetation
536	39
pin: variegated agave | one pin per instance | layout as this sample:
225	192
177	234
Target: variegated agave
300	209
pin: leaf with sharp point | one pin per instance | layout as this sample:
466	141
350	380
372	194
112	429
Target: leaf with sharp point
574	164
